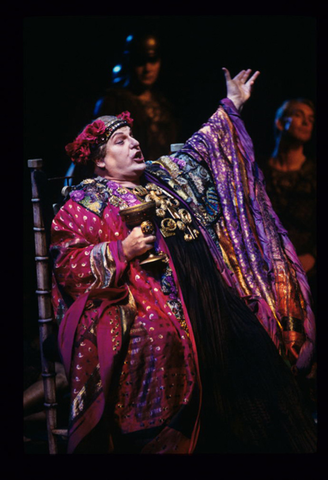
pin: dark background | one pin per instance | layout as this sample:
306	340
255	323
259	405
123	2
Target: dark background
67	67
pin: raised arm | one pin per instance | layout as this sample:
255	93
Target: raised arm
264	261
239	88
218	134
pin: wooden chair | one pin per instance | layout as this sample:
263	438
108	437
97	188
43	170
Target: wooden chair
42	217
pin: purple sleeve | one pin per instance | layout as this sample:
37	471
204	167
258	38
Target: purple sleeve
263	259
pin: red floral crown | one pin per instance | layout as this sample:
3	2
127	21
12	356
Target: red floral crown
94	135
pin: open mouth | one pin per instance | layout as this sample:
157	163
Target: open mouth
139	157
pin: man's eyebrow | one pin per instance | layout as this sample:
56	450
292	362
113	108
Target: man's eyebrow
302	111
118	132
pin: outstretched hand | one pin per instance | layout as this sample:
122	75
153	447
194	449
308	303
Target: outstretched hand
239	88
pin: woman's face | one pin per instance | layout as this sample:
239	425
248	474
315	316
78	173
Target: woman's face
124	161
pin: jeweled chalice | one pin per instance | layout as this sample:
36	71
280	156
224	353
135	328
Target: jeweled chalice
142	215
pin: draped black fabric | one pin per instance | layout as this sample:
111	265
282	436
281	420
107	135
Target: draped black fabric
251	402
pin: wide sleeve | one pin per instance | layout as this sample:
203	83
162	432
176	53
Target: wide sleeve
86	250
254	242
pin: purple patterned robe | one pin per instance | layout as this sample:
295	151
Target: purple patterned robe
251	247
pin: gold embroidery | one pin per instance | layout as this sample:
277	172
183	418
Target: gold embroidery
139	190
166	203
168	226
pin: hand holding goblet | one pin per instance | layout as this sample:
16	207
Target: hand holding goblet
142	215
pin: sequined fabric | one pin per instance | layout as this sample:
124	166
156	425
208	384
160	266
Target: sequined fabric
144	338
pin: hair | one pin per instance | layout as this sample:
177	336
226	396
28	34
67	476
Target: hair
286	108
99	152
83	171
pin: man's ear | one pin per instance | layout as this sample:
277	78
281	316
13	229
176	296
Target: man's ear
100	163
283	124
280	124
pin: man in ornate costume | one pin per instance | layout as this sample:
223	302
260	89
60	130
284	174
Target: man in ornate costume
196	352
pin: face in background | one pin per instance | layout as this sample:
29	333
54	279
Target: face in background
145	59
147	73
297	122
123	161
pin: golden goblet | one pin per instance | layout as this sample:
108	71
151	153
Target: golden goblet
142	215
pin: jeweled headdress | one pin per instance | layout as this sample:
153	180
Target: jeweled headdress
95	134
